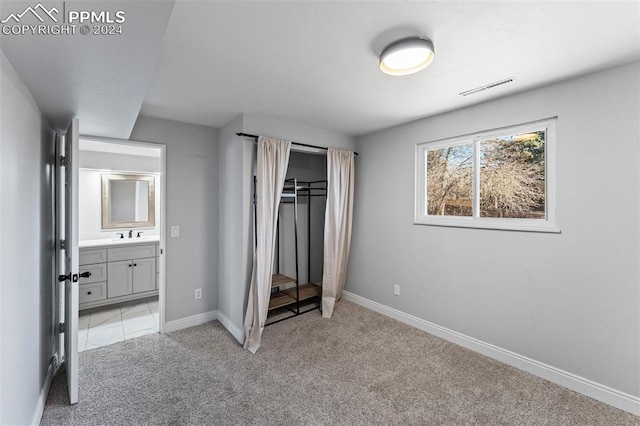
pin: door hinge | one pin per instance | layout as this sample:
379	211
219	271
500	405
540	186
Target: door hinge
63	161
63	244
61	328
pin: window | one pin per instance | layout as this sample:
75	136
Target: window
498	179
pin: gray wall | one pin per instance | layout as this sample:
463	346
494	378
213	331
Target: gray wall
235	162
27	256
570	300
192	204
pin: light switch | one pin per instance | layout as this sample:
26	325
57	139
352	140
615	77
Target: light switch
175	231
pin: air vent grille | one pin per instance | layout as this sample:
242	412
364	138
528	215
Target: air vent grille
487	86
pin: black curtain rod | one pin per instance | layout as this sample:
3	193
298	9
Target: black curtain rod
294	143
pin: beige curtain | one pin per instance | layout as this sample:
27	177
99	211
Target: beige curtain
337	226
272	163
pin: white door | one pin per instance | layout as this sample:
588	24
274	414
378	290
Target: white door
60	285
71	292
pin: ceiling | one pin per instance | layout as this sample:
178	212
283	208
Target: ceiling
316	63
100	79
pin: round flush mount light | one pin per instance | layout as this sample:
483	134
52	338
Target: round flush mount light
407	56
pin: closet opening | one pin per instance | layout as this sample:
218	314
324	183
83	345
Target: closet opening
121	221
297	268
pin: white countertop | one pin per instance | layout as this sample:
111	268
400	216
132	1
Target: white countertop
111	242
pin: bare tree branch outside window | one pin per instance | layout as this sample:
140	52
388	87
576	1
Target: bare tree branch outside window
449	181
512	178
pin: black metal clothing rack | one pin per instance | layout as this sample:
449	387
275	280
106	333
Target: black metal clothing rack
292	298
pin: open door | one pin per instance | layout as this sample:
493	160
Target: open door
68	221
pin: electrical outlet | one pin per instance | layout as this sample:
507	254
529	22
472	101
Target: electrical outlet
175	231
198	293
396	289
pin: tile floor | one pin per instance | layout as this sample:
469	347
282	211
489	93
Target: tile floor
115	324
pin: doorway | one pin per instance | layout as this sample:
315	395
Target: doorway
121	220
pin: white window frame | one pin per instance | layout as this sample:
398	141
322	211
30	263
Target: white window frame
512	224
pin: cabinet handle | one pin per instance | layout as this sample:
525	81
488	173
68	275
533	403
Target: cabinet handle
135	264
88	292
130	265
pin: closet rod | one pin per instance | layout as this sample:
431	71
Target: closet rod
294	143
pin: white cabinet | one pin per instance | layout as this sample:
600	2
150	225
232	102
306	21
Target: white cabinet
98	273
93	289
120	278
118	273
93	256
131	276
93	292
144	275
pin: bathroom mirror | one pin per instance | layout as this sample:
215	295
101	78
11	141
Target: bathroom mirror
128	201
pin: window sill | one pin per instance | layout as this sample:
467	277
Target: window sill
511	225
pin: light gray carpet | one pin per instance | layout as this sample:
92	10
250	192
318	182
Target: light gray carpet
358	368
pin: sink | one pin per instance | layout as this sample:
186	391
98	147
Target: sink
117	241
126	240
152	238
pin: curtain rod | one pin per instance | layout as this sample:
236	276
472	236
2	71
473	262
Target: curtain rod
294	143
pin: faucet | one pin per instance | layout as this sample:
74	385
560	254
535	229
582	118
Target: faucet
130	233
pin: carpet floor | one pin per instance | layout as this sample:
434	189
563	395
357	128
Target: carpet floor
358	368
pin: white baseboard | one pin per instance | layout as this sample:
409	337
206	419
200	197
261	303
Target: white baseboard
44	392
231	327
576	383
191	321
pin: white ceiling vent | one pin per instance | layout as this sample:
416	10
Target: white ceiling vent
487	86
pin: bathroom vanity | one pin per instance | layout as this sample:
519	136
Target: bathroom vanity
121	270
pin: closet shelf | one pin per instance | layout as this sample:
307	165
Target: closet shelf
307	291
278	300
288	297
278	280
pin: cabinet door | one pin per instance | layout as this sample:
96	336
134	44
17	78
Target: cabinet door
120	278
144	274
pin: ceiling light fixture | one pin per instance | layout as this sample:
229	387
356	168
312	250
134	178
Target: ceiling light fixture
407	56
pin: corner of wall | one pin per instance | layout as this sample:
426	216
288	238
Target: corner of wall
27	230
232	169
